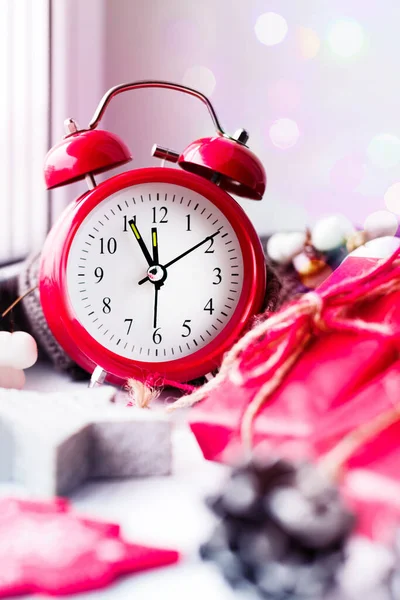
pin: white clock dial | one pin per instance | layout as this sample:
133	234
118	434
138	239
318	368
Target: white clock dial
161	312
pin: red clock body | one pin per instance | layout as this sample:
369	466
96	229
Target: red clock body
155	271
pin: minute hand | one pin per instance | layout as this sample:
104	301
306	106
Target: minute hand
174	260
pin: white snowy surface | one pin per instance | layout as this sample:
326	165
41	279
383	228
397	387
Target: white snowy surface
164	511
170	512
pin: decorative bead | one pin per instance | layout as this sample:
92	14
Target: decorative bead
331	232
23	352
12	378
335	257
312	270
314	280
306	265
284	246
356	239
381	223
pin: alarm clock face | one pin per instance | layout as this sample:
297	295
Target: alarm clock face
154	271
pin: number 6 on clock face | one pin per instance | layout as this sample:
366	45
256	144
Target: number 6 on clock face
161	271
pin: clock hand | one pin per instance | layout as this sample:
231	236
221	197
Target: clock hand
141	243
174	260
154	238
207	239
156	290
157	285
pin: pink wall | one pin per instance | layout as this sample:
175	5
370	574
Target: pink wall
334	76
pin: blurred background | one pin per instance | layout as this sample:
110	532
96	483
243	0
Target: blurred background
313	81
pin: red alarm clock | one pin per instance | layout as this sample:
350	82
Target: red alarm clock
155	271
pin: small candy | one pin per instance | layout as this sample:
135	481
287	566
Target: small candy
283	247
312	270
11	378
23	352
380	224
306	265
331	232
355	240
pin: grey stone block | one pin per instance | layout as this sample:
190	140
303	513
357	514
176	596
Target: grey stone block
53	442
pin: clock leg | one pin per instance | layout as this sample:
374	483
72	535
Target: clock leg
98	377
209	376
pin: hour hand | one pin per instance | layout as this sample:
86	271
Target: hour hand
141	243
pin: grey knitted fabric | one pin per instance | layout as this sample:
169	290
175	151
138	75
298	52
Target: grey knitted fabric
38	326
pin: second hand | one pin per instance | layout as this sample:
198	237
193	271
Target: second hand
156	290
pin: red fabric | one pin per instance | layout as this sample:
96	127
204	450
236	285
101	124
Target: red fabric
45	547
329	372
371	480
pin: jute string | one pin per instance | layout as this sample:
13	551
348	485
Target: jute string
271	348
334	461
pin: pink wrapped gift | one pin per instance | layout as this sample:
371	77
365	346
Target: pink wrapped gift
371	480
330	369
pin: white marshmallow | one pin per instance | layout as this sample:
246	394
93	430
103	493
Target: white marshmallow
381	223
331	232
284	246
12	378
23	351
295	241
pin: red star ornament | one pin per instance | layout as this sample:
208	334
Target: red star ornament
45	547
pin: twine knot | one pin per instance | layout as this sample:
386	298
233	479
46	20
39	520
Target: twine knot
316	303
266	353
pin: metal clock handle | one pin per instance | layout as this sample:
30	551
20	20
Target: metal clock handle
126	87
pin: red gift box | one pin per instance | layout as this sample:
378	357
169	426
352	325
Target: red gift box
331	369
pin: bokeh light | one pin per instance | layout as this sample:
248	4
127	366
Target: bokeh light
346	38
384	150
284	133
284	95
347	172
201	78
271	28
381	223
392	198
308	42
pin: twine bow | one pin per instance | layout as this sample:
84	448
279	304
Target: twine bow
268	351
